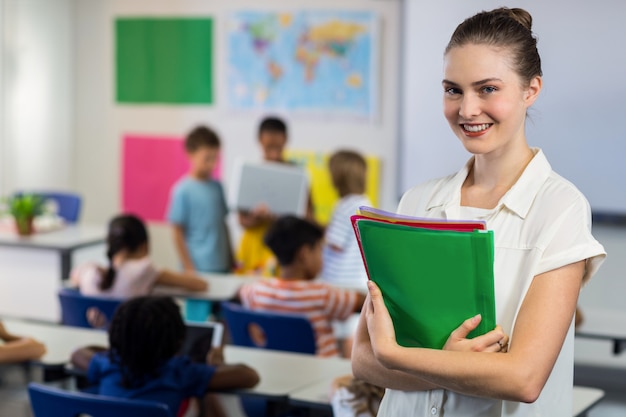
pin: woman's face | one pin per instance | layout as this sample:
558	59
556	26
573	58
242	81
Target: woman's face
485	101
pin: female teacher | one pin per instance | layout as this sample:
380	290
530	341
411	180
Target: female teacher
544	250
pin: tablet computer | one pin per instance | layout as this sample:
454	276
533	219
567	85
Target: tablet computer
282	187
200	338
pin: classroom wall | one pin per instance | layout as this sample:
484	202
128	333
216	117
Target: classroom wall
36	134
100	122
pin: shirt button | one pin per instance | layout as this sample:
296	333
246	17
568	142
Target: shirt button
433	411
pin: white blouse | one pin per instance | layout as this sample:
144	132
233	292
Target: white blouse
542	223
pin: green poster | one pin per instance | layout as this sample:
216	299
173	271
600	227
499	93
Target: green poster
164	60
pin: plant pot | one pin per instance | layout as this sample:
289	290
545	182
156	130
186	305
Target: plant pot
24	225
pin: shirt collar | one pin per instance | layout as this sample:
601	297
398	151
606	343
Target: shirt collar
518	199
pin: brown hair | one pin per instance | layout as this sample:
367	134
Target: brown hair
365	396
503	28
348	170
199	137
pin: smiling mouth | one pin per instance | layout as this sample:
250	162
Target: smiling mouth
476	128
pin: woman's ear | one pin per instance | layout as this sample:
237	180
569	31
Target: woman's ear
533	90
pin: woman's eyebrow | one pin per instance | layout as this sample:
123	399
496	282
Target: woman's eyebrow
475	83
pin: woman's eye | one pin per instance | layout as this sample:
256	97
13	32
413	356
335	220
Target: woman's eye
451	91
489	89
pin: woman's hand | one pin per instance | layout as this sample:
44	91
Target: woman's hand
380	327
493	341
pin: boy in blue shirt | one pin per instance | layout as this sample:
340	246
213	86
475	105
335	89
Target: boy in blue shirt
198	211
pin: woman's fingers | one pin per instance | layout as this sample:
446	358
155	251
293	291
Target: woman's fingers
466	327
495	340
376	297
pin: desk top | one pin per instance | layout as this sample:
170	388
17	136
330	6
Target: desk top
604	325
283	373
585	398
222	287
67	238
60	341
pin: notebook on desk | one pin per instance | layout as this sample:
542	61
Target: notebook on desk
282	187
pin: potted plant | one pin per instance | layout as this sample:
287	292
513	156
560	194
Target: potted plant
24	208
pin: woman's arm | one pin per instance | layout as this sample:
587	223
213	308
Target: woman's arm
540	329
365	366
184	280
181	247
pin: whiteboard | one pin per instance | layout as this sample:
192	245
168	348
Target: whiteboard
580	118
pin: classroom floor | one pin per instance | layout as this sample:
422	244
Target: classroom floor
14	397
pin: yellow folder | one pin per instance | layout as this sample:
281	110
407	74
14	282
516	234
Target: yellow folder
431	280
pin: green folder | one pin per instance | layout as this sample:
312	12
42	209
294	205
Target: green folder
431	280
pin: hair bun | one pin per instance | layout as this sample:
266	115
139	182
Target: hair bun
521	16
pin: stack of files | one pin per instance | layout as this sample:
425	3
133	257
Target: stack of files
433	273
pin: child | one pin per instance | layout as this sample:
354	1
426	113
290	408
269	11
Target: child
342	259
17	348
297	244
198	209
351	397
130	272
145	336
253	256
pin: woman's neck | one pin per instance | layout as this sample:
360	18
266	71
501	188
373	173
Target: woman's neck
492	175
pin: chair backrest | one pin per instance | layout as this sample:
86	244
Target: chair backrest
53	402
86	311
280	331
68	204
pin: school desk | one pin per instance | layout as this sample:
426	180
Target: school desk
604	325
60	341
281	372
222	287
585	399
32	268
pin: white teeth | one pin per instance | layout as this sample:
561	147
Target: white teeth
476	128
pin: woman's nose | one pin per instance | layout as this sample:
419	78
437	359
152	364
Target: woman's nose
470	107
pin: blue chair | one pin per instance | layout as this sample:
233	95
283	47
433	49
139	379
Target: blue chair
86	311
68	204
53	402
280	331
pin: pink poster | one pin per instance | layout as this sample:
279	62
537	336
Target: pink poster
151	166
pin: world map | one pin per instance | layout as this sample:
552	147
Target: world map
309	61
